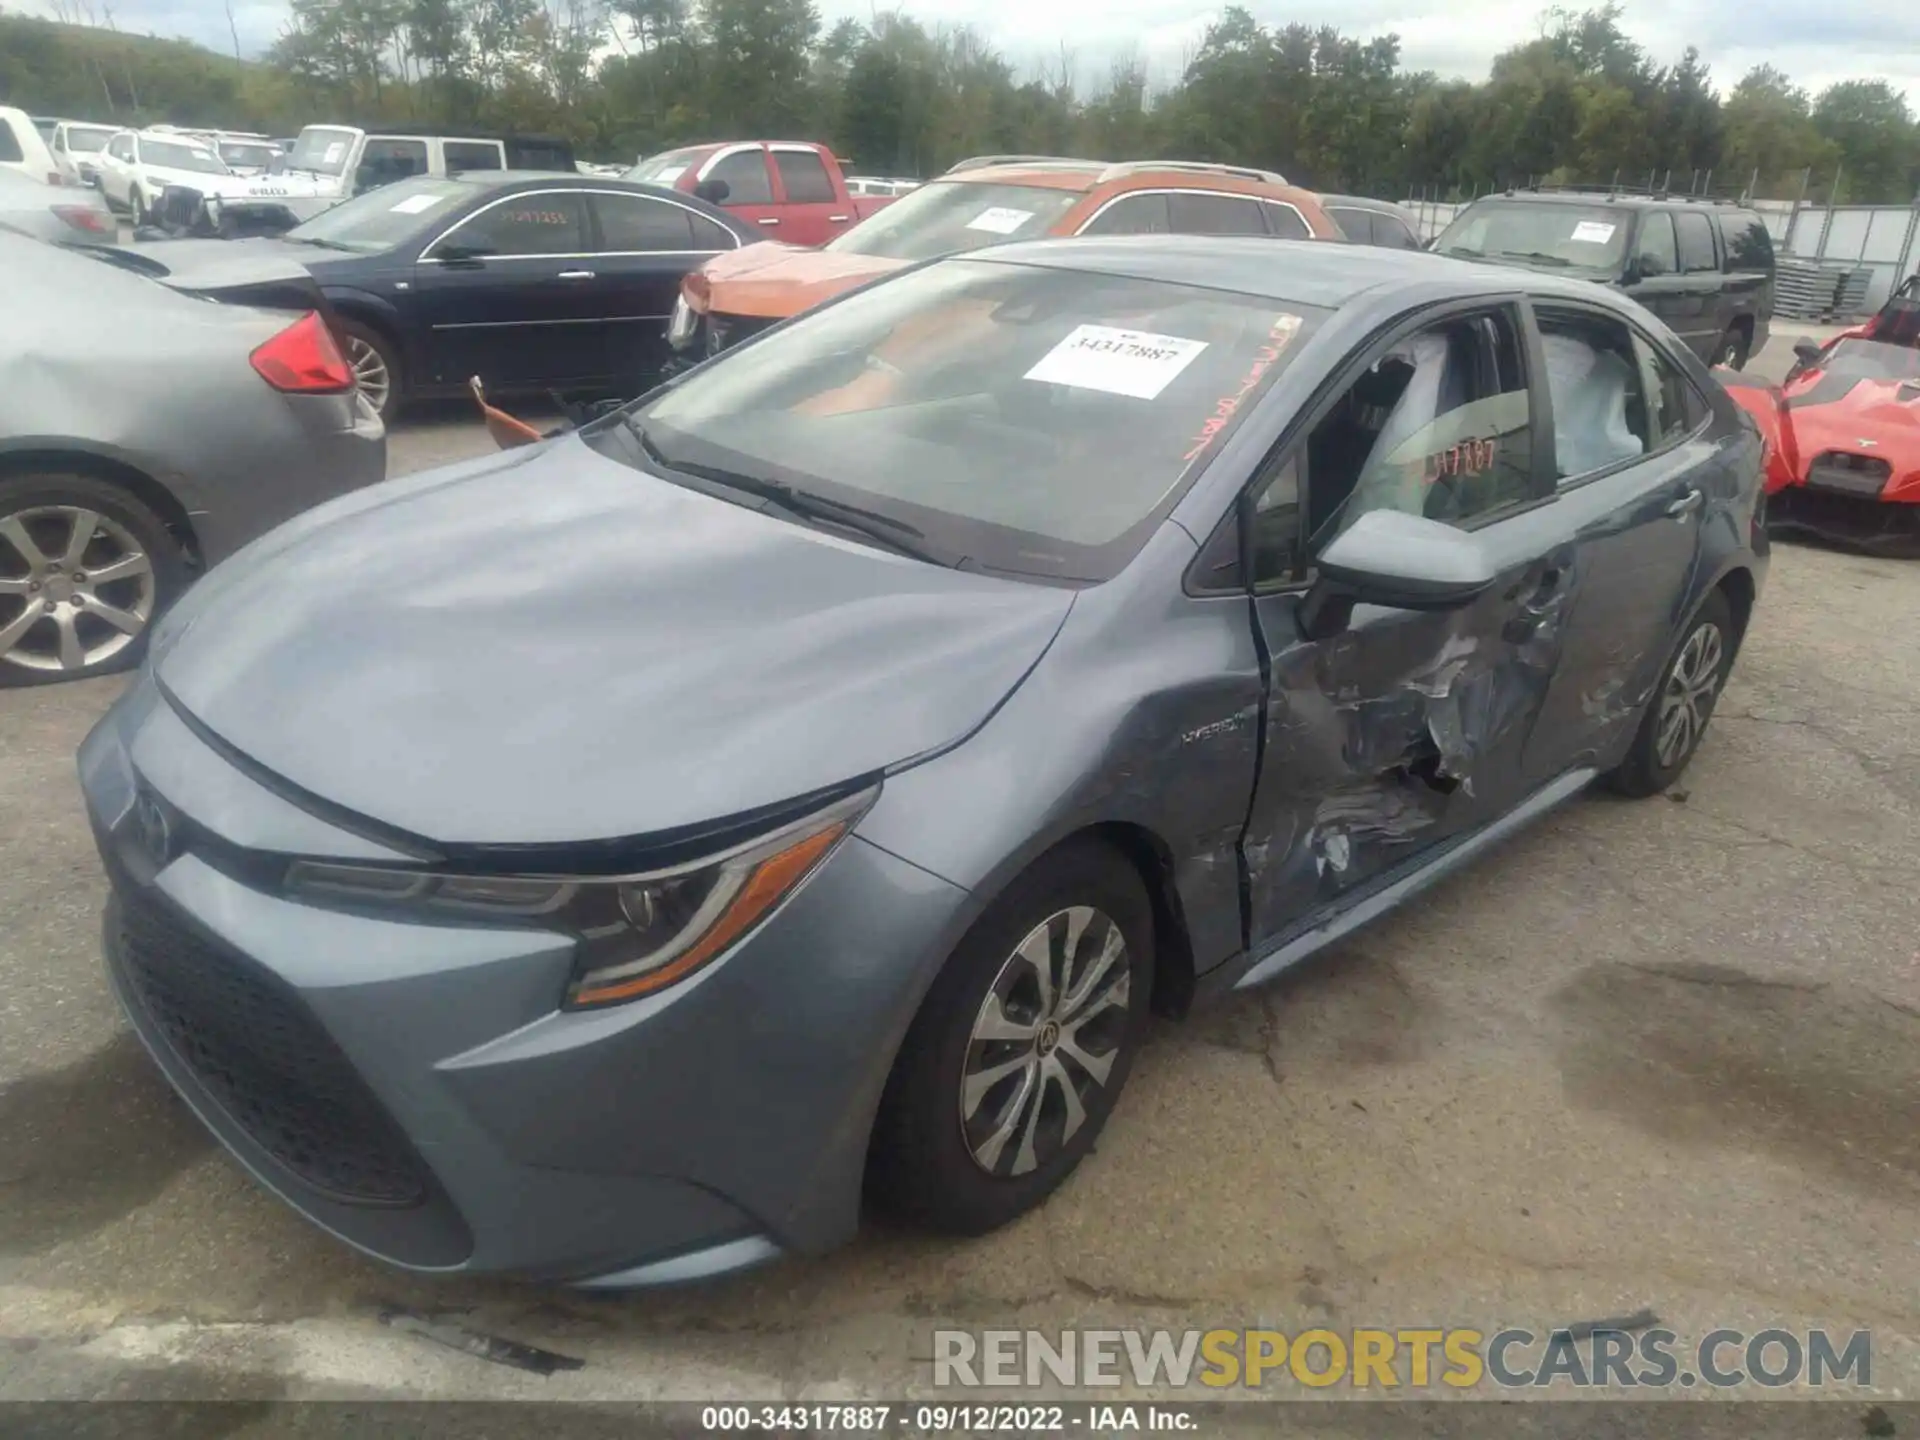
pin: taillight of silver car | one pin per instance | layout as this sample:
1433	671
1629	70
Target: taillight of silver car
304	360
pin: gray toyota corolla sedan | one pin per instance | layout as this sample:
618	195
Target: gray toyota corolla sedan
605	862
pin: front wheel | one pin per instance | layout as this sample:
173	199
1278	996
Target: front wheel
376	366
1676	719
1736	348
1020	1048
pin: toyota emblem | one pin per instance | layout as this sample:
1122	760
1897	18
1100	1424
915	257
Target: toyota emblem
152	830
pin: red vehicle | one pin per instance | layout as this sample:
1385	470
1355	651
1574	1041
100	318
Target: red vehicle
1843	432
794	190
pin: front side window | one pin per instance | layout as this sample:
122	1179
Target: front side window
1193	214
1031	421
178	155
1659	255
1696	242
1438	426
1601	417
950	216
121	147
745	175
544	223
1131	215
1393	232
1555	236
1356	225
465	155
803	175
1285	222
386	160
383	218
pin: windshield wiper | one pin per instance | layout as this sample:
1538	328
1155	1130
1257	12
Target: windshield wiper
1466	250
803	504
1539	255
322	244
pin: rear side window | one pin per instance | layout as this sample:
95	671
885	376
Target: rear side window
1131	215
1285	222
1658	253
1356	225
10	143
1601	417
745	173
1189	214
464	155
804	177
633	222
1674	410
1393	232
1749	246
1696	242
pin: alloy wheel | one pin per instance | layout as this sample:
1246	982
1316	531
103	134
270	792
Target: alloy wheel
369	372
1688	698
75	588
1045	1041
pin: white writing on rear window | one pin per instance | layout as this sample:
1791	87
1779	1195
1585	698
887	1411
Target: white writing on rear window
1135	363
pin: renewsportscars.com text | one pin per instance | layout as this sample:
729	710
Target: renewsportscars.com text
1383	1359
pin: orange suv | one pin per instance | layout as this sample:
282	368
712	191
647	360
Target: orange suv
979	202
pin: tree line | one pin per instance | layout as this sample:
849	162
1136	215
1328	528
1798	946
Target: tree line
1580	102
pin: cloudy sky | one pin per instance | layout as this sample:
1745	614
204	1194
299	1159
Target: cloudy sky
1817	43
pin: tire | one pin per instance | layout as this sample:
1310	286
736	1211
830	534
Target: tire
1698	667
52	628
930	1155
137	207
372	354
1736	348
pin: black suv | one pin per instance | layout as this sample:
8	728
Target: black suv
1704	267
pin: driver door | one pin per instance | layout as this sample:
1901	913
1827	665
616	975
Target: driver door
1403	729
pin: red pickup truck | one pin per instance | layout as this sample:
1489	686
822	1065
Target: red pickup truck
793	190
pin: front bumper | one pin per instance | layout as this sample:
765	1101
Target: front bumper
1858	522
414	1089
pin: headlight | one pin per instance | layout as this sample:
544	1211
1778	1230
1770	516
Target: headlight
680	329
635	934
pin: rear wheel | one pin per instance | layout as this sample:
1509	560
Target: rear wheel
1676	719
376	365
84	570
1020	1048
137	207
1736	348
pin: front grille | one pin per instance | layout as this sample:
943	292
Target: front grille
1849	474
266	1061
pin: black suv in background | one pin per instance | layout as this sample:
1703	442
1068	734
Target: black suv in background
1704	267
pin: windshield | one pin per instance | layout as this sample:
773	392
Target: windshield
667	167
1871	360
323	149
947	217
1025	420
1576	237
241	152
179	155
86	139
382	218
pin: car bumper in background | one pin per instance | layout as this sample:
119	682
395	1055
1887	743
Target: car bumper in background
415	1089
1860	522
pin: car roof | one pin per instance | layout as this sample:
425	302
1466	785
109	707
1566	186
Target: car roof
1604	197
1367	202
1297	272
1085	176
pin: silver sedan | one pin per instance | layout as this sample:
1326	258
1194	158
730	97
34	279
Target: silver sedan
144	435
59	213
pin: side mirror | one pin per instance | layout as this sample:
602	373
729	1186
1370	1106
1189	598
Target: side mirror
1404	562
1807	352
714	192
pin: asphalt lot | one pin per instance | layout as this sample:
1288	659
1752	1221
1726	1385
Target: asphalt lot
1661	1054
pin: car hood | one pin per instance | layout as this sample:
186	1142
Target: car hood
1876	418
773	281
563	649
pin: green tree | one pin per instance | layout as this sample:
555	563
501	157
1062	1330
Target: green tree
1872	132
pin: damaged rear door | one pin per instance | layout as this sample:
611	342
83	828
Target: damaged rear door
1403	729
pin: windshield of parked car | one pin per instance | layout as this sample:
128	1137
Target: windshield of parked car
1570	237
950	216
177	155
667	167
1871	360
322	149
88	139
1024	420
382	218
242	152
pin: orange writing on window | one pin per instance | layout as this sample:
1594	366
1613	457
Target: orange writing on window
1469	457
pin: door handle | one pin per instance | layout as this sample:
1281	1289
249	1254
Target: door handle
574	275
770	220
1687	504
838	219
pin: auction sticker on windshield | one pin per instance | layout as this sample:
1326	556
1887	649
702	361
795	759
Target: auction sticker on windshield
334	152
414	204
1135	363
1593	232
1000	220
